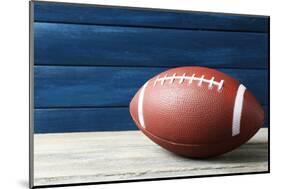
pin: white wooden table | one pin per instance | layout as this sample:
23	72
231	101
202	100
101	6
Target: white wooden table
108	156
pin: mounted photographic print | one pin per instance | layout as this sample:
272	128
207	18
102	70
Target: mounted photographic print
120	94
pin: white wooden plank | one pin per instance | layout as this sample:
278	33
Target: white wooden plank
107	156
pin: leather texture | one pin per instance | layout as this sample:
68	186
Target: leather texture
195	120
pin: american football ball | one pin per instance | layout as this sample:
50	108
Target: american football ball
196	111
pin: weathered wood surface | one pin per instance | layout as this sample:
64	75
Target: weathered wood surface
107	156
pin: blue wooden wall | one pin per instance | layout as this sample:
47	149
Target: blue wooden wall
91	60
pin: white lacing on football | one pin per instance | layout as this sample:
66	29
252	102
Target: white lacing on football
190	79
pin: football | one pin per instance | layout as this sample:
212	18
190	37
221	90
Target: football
196	112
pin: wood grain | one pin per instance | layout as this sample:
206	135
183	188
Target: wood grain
107	156
124	16
114	86
72	44
60	120
92	59
82	119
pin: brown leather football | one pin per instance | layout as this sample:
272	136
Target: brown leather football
196	111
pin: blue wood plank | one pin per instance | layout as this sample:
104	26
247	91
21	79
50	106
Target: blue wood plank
86	119
59	86
106	15
81	120
66	44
